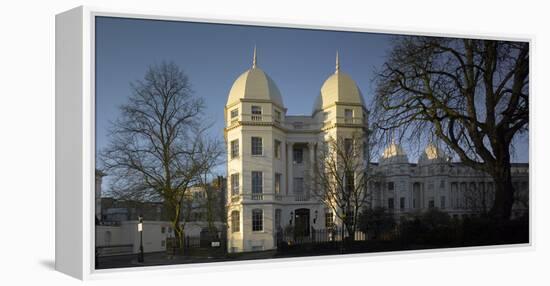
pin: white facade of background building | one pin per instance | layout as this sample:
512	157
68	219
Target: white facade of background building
436	182
124	238
118	232
270	156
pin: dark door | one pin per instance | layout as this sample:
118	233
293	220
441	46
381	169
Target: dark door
301	218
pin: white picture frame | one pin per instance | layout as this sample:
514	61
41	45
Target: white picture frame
75	137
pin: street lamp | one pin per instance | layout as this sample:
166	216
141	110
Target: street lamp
140	230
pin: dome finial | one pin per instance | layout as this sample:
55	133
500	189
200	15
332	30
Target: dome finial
337	63
254	60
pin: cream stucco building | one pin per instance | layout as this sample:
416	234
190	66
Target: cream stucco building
270	155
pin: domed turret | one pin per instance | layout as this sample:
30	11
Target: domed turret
339	87
395	154
433	154
255	84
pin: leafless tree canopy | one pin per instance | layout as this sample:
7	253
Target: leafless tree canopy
341	178
472	94
158	144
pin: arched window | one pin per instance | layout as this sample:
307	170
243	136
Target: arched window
257	220
235	221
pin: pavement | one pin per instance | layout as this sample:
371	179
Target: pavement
163	258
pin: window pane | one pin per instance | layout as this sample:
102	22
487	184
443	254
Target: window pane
257	220
257	148
235	184
234	113
277	149
257	110
298	155
256	113
329	220
235	221
277	183
257	182
234	148
348	115
278	218
277	115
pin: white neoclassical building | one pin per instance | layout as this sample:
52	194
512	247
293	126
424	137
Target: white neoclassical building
270	155
437	182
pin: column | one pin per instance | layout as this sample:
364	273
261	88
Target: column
290	177
311	146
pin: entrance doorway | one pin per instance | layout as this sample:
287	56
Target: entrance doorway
301	225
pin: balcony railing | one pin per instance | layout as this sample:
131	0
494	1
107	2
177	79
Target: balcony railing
257	117
257	197
272	197
301	197
350	120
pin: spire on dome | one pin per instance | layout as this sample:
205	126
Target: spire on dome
254	60
337	63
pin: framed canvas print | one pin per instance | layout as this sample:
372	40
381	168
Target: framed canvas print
185	141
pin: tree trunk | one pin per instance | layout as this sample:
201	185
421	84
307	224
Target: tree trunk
504	196
178	229
349	226
178	232
504	190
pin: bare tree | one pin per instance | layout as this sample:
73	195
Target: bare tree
158	144
208	181
341	178
472	94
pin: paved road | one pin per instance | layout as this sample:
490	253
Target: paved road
162	258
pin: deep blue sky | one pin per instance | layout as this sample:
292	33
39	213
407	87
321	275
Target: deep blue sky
214	55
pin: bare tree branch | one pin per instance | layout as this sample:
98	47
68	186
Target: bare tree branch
472	94
158	147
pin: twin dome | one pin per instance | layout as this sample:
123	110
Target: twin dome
255	84
395	154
